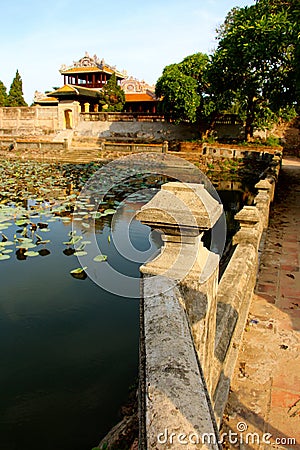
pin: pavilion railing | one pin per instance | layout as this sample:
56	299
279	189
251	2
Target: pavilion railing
121	117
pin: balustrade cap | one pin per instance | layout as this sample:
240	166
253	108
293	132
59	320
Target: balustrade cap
181	206
263	185
248	216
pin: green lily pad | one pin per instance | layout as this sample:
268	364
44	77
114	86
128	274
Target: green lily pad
96	215
109	211
80	253
31	253
26	245
78	270
100	258
3	257
21	223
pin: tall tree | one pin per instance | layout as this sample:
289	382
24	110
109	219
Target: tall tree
15	95
181	87
254	64
3	95
112	96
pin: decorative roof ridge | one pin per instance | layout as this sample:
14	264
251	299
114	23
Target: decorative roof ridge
91	61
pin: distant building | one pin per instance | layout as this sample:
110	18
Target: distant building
85	78
140	96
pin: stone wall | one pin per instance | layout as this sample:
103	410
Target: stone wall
288	133
142	131
43	120
33	121
23	145
192	324
38	120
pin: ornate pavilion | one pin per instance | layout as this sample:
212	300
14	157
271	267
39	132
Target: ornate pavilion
85	78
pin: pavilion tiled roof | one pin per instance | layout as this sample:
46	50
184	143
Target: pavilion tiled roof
91	70
77	90
144	97
48	100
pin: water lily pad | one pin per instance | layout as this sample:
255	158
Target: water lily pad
3	257
24	240
96	215
79	273
109	211
78	270
31	253
100	258
26	245
7	243
21	222
75	239
80	253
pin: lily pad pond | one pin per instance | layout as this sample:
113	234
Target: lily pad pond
69	349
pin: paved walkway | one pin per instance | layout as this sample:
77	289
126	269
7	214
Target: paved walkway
265	391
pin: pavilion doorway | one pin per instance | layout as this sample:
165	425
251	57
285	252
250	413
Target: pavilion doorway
68	119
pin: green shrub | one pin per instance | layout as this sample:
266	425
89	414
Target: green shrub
273	141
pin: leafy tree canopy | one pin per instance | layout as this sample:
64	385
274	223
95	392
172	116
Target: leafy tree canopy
3	95
181	87
254	65
112	96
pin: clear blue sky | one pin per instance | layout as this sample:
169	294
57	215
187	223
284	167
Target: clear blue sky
140	36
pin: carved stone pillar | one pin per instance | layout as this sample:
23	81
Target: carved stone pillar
250	231
183	212
263	200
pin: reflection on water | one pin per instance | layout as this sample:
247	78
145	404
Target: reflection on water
69	350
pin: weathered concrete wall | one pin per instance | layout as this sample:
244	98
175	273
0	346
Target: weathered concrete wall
38	120
147	131
28	121
19	145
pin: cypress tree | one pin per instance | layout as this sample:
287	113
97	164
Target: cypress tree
3	95
112	96
15	96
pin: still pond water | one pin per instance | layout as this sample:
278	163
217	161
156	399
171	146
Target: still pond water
69	349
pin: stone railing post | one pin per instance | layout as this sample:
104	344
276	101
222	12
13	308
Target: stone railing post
178	317
183	212
250	227
263	199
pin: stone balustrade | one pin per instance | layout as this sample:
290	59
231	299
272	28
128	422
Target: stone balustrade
191	324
